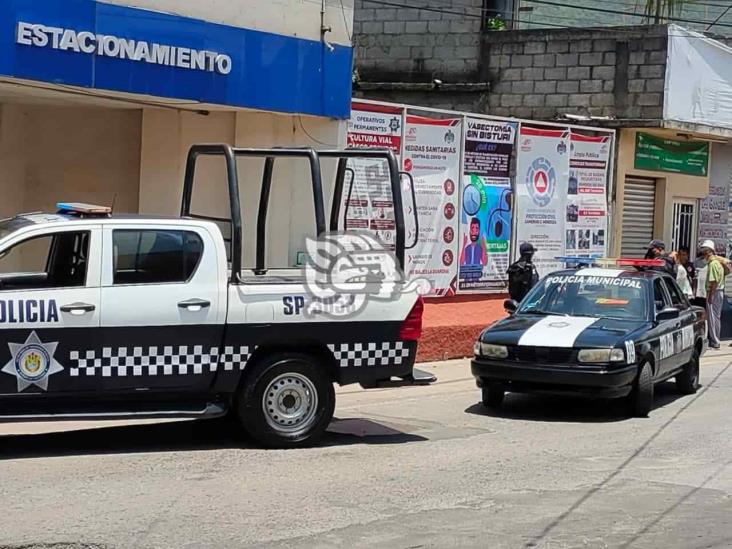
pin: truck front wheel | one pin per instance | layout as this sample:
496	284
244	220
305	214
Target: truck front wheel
287	401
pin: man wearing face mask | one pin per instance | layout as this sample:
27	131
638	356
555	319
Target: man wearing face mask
716	273
522	275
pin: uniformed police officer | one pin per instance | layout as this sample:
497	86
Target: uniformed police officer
522	274
657	250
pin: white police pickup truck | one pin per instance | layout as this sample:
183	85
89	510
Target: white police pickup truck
107	317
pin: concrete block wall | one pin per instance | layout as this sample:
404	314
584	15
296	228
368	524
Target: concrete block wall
410	44
540	74
600	72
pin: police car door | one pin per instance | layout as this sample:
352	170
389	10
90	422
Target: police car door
162	313
665	330
683	336
49	306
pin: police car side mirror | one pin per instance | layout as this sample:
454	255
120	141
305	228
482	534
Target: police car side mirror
667	314
510	306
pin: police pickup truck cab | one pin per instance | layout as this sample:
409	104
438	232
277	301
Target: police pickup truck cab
598	332
107	317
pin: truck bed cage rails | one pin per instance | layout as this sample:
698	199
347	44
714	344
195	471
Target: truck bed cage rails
230	154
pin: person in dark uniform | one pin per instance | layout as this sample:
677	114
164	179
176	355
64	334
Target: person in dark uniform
522	275
657	250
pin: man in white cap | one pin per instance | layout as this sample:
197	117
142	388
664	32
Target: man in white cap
715	291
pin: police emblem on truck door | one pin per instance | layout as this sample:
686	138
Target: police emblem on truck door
32	362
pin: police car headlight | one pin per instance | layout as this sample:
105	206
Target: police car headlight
490	351
601	355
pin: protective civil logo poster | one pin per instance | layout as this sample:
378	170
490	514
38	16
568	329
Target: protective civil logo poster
542	178
486	200
432	157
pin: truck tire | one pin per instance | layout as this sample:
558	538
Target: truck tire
492	395
287	401
687	381
640	399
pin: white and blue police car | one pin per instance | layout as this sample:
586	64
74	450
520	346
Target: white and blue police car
107	317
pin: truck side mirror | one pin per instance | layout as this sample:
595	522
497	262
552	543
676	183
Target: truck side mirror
510	306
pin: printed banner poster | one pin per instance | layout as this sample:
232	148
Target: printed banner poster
542	179
432	157
485	213
586	208
714	214
370	203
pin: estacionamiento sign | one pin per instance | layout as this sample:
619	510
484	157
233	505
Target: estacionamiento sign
56	38
665	155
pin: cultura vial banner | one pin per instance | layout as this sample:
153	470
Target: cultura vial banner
432	157
370	204
485	216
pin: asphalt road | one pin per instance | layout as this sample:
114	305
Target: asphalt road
401	468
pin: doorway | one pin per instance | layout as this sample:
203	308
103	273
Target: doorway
684	226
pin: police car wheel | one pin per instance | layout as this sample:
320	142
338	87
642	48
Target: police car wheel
687	381
640	400
492	395
287	401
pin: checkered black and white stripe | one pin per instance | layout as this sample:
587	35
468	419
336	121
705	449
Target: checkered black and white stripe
369	354
164	360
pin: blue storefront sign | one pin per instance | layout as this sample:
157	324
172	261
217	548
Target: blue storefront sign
117	48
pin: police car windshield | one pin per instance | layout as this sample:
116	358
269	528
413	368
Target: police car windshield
9	226
594	296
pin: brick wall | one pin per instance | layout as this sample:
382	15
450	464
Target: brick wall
409	44
541	73
537	74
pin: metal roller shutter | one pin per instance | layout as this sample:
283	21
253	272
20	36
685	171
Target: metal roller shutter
638	212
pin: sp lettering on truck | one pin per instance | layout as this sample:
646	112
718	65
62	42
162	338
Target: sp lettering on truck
293	304
117	306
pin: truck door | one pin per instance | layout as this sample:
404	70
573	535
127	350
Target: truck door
162	309
49	307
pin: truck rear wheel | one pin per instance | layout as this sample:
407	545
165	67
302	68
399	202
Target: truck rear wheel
287	401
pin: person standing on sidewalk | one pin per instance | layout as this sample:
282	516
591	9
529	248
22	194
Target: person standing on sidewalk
682	274
716	272
522	274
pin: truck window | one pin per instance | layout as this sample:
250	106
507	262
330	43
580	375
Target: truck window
155	256
50	261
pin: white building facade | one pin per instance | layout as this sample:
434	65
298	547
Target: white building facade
100	101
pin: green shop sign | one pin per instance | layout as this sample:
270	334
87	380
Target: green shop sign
658	154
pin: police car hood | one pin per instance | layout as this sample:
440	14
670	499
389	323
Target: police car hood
561	331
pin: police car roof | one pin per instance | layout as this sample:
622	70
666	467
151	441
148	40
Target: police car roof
607	272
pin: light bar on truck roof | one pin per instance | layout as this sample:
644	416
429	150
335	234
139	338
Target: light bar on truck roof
80	208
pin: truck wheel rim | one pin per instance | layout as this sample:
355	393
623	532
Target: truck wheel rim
290	403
